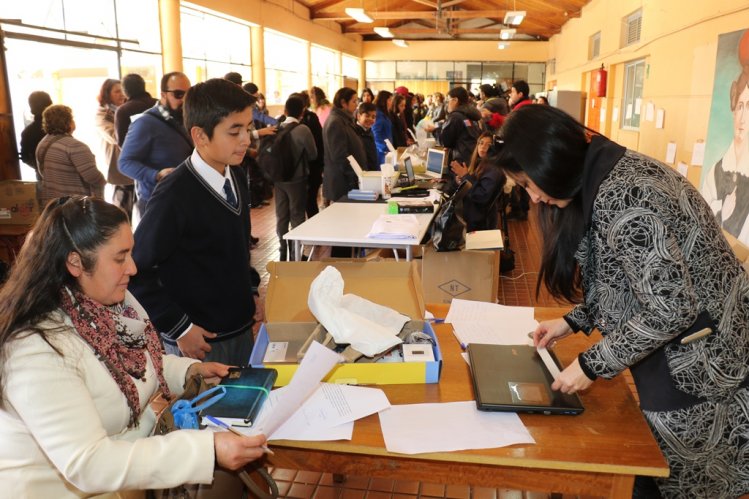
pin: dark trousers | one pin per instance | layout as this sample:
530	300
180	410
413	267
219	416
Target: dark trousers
124	197
314	181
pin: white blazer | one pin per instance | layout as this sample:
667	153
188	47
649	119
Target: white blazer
63	425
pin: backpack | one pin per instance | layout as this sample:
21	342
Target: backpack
276	154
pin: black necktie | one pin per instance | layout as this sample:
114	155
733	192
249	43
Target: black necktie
230	197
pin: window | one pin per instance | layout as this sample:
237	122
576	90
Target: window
284	75
594	46
632	28
325	72
206	55
551	66
380	70
350	66
410	70
634	76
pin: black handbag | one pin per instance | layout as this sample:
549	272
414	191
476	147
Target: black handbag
254	478
449	228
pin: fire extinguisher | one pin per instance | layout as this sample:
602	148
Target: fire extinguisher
600	79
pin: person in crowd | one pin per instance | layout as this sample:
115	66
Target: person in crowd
291	196
193	245
262	120
365	117
234	77
80	363
462	127
419	109
314	177
110	98
341	141
157	141
383	127
397	115
320	104
367	96
438	112
33	133
637	247
138	101
542	100
486	184
67	166
407	115
493	106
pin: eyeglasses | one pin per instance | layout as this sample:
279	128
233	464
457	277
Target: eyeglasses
178	94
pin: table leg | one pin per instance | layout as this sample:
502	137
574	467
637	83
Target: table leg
409	253
297	251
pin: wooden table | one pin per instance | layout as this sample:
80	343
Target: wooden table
596	453
347	224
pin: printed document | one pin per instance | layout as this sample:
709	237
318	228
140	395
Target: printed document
417	428
484	322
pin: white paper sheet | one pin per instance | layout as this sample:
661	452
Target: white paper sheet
649	111
369	327
615	114
317	362
417	428
326	414
394	227
628	113
682	168
483	322
698	153
660	117
671	153
638	106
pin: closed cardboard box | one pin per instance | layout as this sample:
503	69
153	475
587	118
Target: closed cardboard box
469	275
18	204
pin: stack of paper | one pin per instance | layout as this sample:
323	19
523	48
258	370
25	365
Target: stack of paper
395	227
482	322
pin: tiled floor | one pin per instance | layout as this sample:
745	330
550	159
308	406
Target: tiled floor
517	287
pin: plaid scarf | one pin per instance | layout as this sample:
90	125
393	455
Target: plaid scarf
122	351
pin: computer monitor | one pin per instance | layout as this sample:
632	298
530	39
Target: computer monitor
436	162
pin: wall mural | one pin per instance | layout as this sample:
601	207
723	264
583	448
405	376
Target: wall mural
725	175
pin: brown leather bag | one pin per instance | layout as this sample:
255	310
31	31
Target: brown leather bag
254	481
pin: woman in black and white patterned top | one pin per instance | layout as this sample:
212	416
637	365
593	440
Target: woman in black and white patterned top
637	247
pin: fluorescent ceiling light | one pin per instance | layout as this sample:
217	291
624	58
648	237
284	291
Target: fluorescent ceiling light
383	32
507	33
514	17
502	45
358	14
400	43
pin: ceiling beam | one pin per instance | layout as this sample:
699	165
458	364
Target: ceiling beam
430	30
324	5
428	3
414	14
451	3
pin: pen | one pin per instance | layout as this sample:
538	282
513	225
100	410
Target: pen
221	424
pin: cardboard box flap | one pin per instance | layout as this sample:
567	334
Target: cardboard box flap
392	284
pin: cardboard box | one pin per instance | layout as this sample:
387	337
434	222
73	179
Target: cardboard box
18	203
392	284
469	275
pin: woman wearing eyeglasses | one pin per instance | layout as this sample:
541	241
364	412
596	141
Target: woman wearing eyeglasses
67	165
79	363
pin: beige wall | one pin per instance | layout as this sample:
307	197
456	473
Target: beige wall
454	50
679	42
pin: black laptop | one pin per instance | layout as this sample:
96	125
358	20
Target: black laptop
513	378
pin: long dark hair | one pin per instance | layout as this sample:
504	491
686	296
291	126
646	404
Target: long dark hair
549	146
32	291
104	96
381	101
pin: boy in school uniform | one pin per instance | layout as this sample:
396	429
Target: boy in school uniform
192	247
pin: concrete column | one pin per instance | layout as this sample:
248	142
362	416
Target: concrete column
258	57
308	46
171	38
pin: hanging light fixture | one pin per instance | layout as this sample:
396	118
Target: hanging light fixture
401	43
358	14
507	33
383	31
514	17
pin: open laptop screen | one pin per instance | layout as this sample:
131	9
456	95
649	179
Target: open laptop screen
409	170
435	161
